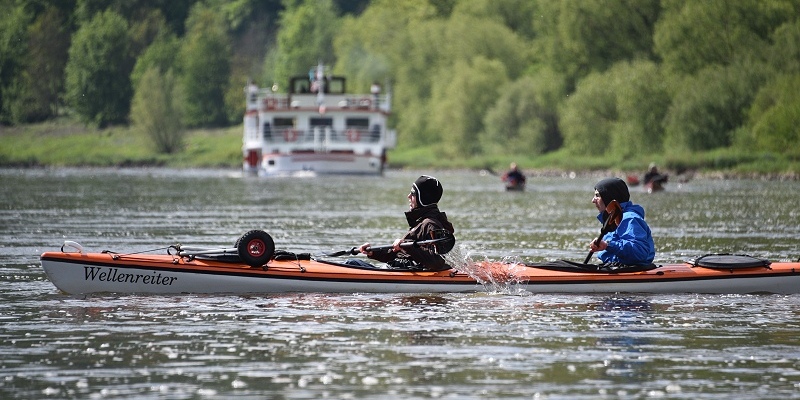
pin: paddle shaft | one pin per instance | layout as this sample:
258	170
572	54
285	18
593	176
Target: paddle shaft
406	245
355	250
612	209
589	257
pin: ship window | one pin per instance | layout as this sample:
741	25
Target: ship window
299	85
357	123
335	85
321	122
284	123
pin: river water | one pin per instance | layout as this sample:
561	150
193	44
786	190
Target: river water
498	345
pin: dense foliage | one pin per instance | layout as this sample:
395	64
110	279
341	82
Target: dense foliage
617	78
157	110
98	70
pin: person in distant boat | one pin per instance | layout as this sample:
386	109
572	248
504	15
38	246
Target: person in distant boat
514	178
426	222
631	243
653	179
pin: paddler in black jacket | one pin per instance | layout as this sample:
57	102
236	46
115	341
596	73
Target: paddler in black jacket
426	222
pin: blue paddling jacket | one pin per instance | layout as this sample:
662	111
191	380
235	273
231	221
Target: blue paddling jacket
631	243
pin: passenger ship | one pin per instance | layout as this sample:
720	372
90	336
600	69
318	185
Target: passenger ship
316	127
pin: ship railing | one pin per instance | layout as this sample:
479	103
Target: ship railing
364	102
322	138
271	101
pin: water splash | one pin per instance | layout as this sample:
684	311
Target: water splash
506	276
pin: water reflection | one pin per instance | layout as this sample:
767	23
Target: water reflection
500	344
496	345
623	320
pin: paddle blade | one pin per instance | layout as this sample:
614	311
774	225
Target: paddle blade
614	208
613	216
352	251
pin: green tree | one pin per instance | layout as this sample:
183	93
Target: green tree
415	47
467	37
41	81
156	110
14	21
519	123
476	46
460	97
238	14
161	54
414	63
364	59
98	71
517	15
618	112
175	12
784	54
205	68
643	98
304	39
774	118
693	34
589	116
394	42
592	35
146	27
551	89
711	105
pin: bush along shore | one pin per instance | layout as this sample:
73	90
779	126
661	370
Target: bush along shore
67	144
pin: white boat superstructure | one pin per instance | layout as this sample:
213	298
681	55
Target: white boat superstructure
316	127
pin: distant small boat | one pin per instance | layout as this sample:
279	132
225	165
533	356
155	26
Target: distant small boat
515	186
654	184
632	180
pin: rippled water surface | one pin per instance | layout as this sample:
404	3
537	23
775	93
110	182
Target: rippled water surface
367	346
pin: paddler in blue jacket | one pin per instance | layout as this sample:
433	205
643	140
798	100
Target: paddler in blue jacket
631	243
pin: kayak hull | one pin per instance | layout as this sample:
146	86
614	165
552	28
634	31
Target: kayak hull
83	273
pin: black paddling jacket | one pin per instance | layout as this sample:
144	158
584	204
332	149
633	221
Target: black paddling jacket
424	223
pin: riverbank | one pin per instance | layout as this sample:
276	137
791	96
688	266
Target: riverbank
64	143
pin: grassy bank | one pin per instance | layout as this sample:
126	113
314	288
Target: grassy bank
64	143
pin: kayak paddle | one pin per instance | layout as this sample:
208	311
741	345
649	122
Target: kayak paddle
353	251
612	221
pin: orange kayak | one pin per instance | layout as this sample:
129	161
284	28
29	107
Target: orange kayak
260	270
